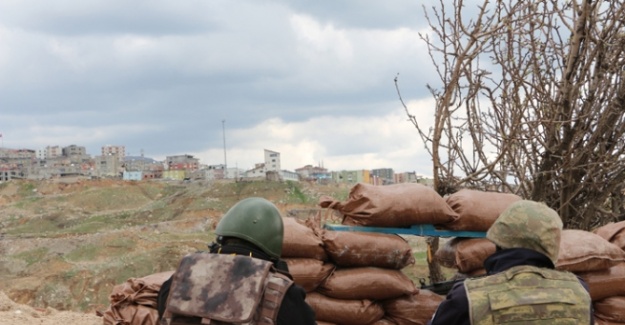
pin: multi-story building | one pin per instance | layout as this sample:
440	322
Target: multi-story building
272	161
352	176
309	172
118	151
52	152
74	150
215	172
182	162
383	176
107	166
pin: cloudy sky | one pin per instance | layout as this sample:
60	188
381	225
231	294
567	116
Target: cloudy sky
309	79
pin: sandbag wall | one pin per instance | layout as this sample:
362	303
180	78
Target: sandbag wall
607	285
354	277
598	257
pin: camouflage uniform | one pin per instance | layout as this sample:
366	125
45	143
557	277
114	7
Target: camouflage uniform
225	289
523	286
528	295
242	280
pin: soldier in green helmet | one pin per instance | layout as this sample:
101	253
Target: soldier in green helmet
522	285
242	280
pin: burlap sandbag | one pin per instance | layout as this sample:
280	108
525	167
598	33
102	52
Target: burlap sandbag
599	321
397	205
414	309
478	210
465	254
344	312
301	241
309	272
353	249
613	232
611	309
384	321
367	283
605	283
134	301
582	251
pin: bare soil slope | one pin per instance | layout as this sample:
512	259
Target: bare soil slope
65	244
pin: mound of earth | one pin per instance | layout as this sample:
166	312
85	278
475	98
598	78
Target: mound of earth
12	313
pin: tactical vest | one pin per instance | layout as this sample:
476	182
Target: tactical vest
220	289
528	295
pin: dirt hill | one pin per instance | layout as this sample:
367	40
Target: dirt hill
65	244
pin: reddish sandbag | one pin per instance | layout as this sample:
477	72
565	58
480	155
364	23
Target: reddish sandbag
353	249
135	301
301	241
344	312
309	272
611	309
613	232
478	210
465	254
397	205
384	321
599	321
605	283
416	309
367	283
583	251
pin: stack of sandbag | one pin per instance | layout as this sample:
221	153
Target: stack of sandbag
134	301
607	286
602	265
477	210
358	278
398	205
304	254
581	252
465	255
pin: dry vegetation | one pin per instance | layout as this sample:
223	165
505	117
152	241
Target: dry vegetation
64	245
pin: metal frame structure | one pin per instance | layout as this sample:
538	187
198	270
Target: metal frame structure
423	230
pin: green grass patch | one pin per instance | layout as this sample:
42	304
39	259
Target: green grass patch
32	256
84	253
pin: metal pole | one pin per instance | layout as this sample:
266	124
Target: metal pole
223	127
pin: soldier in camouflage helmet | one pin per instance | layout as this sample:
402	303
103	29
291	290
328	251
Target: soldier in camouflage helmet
242	279
522	285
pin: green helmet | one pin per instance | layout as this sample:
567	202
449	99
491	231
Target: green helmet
528	224
255	220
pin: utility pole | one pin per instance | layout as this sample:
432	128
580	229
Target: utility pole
223	127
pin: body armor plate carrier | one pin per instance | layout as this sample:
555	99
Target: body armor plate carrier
220	289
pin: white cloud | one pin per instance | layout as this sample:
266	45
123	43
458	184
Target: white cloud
386	141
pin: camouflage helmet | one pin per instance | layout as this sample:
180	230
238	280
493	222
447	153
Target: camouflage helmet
257	221
528	224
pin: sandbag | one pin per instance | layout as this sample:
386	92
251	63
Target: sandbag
384	321
583	251
135	301
613	232
397	205
611	309
353	249
301	241
308	272
465	254
478	210
367	283
416	309
605	283
344	312
599	321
